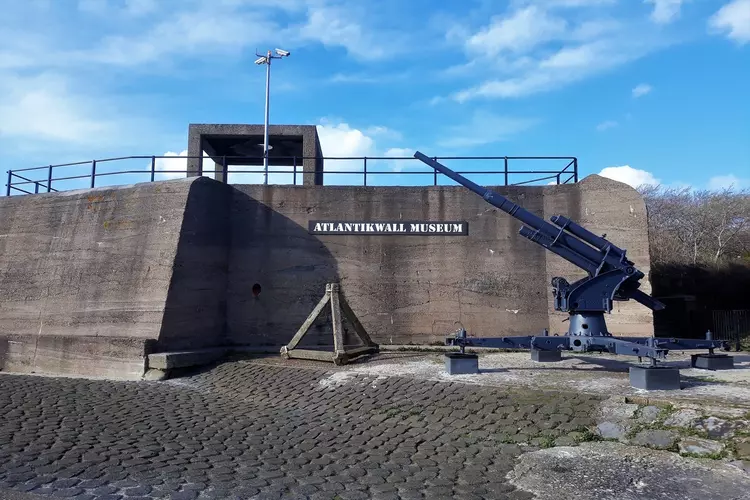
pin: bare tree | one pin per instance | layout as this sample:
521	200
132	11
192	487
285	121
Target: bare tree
697	227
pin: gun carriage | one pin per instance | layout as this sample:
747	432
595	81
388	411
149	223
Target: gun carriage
611	277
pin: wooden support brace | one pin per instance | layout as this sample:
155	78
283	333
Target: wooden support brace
340	355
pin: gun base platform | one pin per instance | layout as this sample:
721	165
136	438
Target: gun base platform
655	378
712	361
545	356
461	363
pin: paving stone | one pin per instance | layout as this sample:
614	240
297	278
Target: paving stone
655	439
611	430
648	414
700	447
683	418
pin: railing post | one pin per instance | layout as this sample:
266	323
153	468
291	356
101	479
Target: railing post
49	179
93	173
434	158
153	168
10	180
36	187
506	169
575	169
365	170
294	171
224	170
558	178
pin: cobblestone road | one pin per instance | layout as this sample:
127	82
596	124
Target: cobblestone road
245	429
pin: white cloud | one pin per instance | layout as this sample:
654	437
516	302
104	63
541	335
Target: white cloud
727	181
629	175
174	167
605	125
334	26
519	32
641	90
665	11
485	128
540	46
339	139
46	109
732	20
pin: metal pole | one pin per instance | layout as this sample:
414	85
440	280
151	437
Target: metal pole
265	133
49	179
506	170
93	173
10	180
365	170
153	168
575	169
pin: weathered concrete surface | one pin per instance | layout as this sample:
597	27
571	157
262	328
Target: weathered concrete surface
417	289
612	471
142	262
182	359
598	374
112	357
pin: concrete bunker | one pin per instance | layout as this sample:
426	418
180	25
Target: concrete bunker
291	146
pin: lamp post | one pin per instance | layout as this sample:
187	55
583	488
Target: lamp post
266	59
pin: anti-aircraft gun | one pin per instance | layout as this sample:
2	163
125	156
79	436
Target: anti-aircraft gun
611	277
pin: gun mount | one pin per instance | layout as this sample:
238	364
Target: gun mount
611	277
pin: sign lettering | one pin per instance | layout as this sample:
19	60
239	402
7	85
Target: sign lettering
418	228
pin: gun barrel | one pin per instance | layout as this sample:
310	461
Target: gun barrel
563	239
583	233
563	252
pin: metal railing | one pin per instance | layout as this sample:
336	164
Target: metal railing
34	180
732	326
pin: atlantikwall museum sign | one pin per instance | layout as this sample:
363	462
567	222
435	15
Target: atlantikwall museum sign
398	227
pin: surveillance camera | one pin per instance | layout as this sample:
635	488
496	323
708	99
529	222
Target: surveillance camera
260	60
282	53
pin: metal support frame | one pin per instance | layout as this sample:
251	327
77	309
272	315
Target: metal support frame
341	355
643	347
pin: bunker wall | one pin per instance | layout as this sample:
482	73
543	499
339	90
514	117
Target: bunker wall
417	289
93	280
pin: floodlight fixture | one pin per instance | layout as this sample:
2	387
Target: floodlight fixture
266	59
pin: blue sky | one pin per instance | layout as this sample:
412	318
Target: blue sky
639	90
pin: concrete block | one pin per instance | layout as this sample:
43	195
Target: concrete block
545	356
110	357
184	359
461	364
712	361
655	378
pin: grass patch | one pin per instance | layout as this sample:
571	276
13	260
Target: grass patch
587	435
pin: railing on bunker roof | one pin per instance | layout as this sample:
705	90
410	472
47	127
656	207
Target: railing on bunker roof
286	170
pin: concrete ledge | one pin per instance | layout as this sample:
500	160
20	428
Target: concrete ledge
109	357
184	359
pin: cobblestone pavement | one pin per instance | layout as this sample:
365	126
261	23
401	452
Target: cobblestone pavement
247	429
